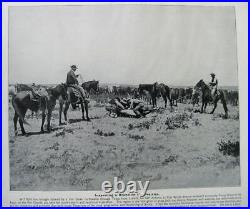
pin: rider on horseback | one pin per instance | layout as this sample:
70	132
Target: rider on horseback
213	85
73	82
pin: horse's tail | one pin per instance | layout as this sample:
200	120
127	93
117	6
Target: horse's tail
16	107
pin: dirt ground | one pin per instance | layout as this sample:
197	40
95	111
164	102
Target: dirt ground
171	149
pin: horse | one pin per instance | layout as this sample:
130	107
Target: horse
23	101
164	91
91	85
206	97
152	89
73	97
174	95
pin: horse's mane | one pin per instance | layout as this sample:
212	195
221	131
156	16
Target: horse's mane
206	85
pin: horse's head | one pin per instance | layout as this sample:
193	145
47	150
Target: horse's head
200	84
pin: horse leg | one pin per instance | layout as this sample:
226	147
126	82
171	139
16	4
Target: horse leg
202	106
60	113
82	107
23	112
86	110
21	125
215	105
15	123
48	120
205	107
154	101
65	111
165	100
43	119
224	106
168	96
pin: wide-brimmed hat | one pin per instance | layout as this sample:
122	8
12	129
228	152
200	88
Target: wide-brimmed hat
73	67
212	74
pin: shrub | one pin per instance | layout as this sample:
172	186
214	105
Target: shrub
229	148
101	133
135	137
171	158
178	121
142	125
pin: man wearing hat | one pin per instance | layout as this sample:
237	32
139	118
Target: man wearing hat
72	80
213	84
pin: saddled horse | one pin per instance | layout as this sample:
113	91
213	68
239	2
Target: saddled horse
73	98
91	86
206	97
23	101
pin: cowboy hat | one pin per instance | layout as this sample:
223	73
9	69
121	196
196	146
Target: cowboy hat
73	67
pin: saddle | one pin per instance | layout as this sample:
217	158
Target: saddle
216	93
37	95
34	96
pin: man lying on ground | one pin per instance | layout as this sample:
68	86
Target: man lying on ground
129	107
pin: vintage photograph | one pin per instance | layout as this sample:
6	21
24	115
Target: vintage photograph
129	91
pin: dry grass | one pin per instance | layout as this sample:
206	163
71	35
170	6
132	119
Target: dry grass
81	155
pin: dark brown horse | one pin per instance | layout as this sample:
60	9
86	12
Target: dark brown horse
152	89
206	97
23	101
164	91
91	86
73	98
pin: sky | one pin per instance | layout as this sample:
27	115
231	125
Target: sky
127	44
